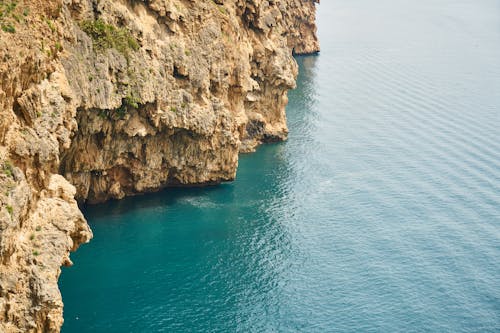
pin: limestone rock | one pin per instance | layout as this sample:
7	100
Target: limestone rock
104	99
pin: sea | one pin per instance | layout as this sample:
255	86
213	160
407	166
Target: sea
380	213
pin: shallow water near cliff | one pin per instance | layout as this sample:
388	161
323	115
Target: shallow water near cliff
380	214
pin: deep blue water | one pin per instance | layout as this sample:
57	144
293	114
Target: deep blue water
381	213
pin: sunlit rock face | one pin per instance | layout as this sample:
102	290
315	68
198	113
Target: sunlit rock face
104	99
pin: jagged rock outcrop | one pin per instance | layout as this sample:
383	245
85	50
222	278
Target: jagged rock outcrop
103	99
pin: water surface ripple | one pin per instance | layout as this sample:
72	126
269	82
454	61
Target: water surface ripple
380	214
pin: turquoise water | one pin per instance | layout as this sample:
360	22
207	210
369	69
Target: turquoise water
380	214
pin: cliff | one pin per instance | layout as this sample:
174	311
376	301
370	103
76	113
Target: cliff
104	99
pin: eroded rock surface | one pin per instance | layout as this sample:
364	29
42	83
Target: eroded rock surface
104	99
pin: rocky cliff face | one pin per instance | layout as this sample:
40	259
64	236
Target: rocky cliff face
103	99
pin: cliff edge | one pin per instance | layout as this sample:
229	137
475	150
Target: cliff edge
105	99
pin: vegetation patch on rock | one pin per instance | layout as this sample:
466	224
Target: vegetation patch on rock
106	36
7	169
10	14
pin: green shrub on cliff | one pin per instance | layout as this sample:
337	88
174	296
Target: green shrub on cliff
106	36
8	28
7	14
131	100
7	168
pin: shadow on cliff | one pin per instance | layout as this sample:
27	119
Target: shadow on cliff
301	121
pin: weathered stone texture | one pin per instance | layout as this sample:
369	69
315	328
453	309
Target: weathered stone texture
196	83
